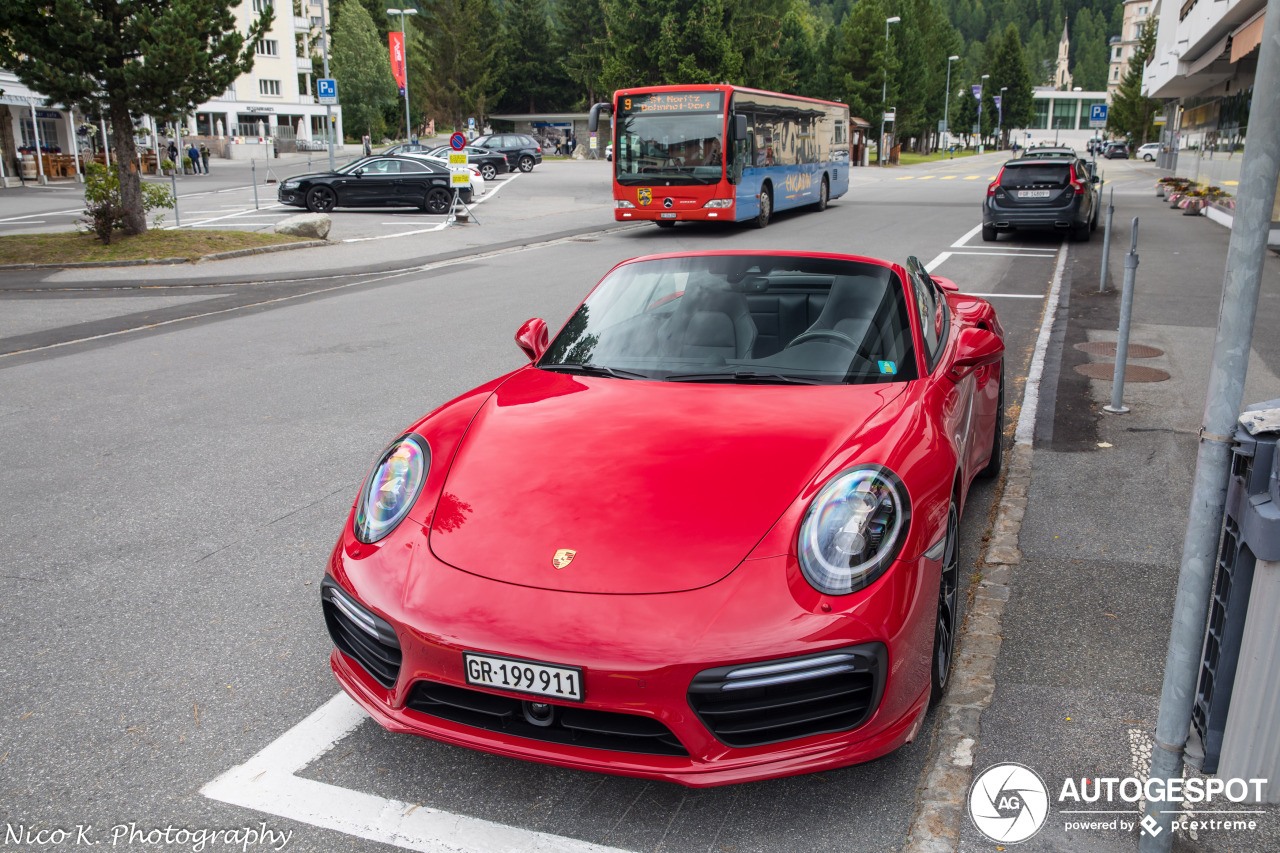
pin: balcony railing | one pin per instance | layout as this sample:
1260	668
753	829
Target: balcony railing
304	63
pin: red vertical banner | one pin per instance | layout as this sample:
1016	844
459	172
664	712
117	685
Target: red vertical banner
397	59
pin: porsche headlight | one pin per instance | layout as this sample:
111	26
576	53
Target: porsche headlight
392	487
853	529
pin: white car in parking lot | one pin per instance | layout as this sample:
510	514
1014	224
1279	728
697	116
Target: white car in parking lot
477	180
1149	151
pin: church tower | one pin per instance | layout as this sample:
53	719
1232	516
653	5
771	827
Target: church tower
1061	76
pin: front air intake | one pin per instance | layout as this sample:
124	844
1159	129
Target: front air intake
359	634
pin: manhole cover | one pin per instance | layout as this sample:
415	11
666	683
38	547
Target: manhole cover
1132	372
1108	348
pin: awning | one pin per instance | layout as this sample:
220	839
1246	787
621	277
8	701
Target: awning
1208	57
859	122
1247	37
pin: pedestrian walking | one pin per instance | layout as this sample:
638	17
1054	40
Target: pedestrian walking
194	154
204	157
173	152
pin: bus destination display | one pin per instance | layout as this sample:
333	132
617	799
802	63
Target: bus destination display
671	102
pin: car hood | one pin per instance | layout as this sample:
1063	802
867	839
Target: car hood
655	486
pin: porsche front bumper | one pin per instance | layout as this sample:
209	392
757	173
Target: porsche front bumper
650	663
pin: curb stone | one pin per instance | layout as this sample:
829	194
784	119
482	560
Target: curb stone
216	256
935	827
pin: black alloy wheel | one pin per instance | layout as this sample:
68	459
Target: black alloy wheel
321	199
996	463
766	207
1080	232
948	621
437	200
488	172
526	163
824	194
988	233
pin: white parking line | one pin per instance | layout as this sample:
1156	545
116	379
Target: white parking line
1042	254
967	237
266	783
50	213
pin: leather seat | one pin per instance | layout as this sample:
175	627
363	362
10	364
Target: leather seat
851	305
710	324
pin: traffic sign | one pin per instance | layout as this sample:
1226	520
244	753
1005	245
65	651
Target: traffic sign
457	158
327	90
457	142
1098	115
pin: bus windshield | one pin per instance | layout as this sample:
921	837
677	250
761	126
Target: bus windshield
675	137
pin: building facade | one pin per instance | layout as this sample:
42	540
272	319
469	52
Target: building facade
1133	23
273	105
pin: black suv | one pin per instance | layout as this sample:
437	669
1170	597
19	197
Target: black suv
1050	193
1117	151
523	151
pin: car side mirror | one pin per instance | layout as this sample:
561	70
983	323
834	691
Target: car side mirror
739	127
976	348
532	338
946	284
359	173
1095	179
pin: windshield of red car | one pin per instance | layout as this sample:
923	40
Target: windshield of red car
772	319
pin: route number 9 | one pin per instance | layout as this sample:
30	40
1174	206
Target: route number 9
627	105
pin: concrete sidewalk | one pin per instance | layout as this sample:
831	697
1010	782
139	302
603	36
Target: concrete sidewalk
1085	629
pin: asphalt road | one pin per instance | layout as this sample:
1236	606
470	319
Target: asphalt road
171	492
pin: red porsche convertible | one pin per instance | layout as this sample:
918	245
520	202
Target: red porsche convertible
708	535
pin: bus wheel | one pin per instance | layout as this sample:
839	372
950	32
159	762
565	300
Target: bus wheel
766	207
824	194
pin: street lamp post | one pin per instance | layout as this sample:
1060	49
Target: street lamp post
982	88
1000	115
884	88
408	129
324	53
946	109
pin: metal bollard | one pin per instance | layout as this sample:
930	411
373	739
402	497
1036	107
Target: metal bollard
1117	406
1106	242
177	218
253	171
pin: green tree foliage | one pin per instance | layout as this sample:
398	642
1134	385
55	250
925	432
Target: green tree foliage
918	86
864	61
362	68
1009	69
532	75
964	109
652	42
134	57
104	211
463	76
1092	53
1132	115
580	46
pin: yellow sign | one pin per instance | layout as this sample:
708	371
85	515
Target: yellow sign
457	158
645	196
461	179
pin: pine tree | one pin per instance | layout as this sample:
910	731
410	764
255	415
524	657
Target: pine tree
1093	54
1009	71
532	76
463	76
580	43
863	60
654	42
135	57
1132	115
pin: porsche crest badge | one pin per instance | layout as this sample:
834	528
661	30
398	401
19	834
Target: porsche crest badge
563	558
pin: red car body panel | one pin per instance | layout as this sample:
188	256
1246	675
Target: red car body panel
684	502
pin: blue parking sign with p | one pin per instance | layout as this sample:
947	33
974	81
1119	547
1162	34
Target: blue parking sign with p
327	90
1098	112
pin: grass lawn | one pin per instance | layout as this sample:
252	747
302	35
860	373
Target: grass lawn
70	247
909	159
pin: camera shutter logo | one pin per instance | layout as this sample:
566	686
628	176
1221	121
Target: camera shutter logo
1008	803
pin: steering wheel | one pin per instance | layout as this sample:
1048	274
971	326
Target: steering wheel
832	336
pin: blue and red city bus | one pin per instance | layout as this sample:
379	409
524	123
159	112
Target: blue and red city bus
716	153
